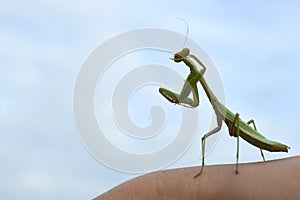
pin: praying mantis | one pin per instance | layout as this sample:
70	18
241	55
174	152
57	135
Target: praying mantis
236	127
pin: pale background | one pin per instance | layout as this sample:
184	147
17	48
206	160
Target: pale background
254	45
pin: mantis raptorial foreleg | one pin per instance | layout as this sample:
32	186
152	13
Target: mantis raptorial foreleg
175	98
182	98
251	121
190	85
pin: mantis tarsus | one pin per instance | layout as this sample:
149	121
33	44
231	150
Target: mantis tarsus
236	126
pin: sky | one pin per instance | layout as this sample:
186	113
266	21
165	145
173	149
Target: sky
253	44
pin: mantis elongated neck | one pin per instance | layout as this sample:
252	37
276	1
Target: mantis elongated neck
199	75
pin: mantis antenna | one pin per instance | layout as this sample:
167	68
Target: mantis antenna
187	31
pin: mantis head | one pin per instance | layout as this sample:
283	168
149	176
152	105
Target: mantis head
178	57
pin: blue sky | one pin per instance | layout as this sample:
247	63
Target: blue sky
254	45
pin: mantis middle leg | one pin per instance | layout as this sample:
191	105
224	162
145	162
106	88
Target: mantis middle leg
235	131
213	131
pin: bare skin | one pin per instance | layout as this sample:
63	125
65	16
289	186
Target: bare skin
277	179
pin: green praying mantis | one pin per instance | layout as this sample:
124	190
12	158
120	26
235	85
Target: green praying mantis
236	127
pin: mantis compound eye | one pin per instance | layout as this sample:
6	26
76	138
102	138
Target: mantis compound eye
181	54
177	57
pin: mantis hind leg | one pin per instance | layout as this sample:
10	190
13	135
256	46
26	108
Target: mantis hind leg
254	126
